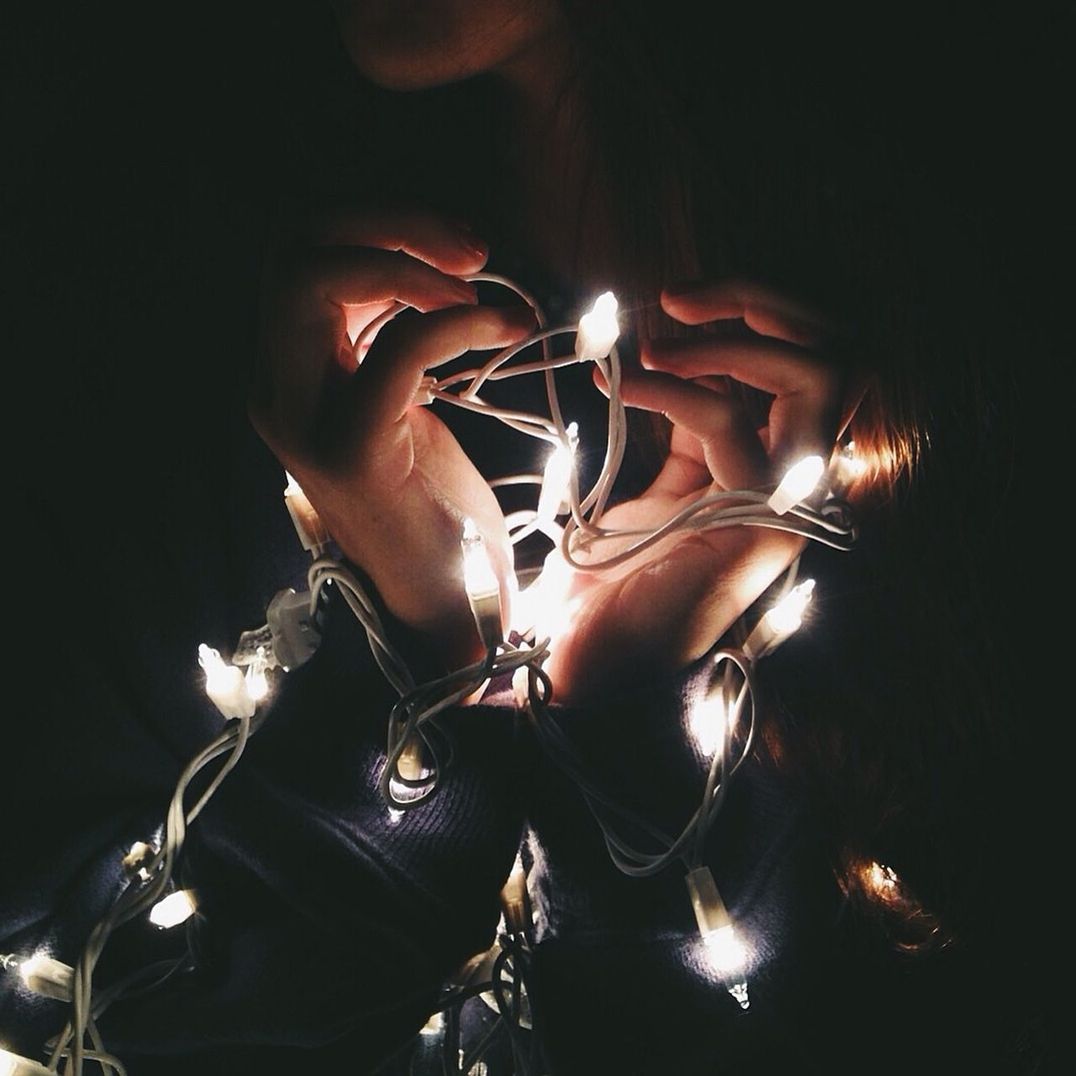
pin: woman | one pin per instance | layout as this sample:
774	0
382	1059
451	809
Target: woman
579	146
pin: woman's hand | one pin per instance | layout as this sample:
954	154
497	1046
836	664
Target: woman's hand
665	608
388	479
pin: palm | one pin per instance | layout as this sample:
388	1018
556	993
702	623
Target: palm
664	608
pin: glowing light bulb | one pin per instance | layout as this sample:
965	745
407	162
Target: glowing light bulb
515	901
882	879
482	586
725	952
708	719
257	681
225	685
780	622
598	329
402	793
547	606
433	1026
478	575
556	484
845	469
135	863
47	977
16	1065
412	767
798	484
174	909
304	517
787	615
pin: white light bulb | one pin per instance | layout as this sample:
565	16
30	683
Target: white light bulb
725	952
882	879
546	606
15	1065
433	1026
787	615
47	977
554	498
304	517
482	586
225	685
257	681
798	484
136	860
411	766
478	575
780	622
174	909
852	466
598	329
708	719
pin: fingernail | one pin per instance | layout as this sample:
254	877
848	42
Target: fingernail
473	245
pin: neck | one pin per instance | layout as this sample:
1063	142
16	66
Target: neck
557	210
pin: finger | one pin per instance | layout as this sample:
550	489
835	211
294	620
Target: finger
307	324
761	308
762	362
731	448
447	245
805	413
407	347
305	331
361	275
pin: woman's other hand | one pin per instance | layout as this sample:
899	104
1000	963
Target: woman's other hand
663	609
387	477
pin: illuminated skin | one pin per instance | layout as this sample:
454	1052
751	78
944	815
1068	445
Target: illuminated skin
389	479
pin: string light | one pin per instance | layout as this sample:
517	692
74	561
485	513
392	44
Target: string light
544	611
47	977
725	952
598	329
882	879
798	484
304	517
412	770
257	681
174	909
482	585
708	720
16	1065
554	499
136	863
225	685
435	1025
846	469
546	607
780	622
